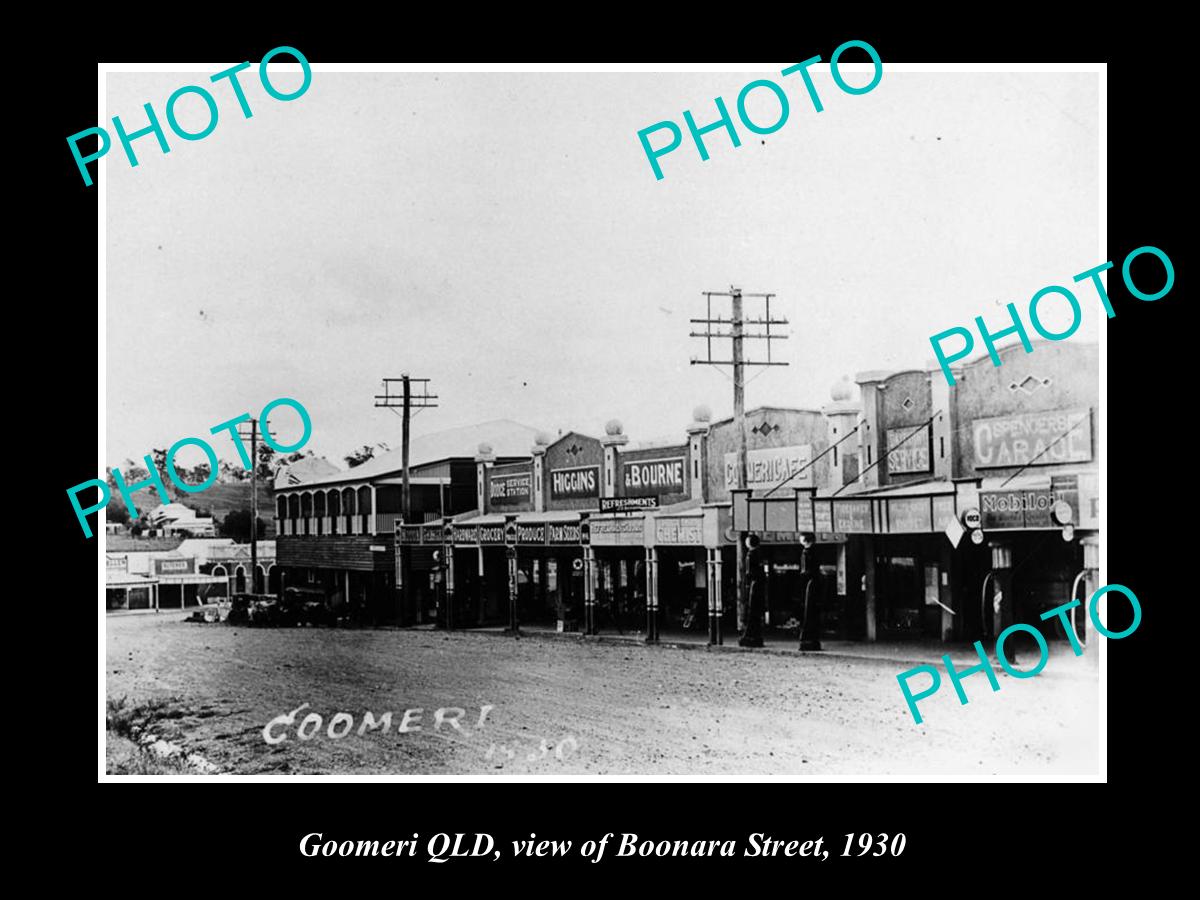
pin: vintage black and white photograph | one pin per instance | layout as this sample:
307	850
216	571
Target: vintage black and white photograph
690	422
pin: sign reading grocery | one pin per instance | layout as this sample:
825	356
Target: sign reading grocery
652	477
510	489
1043	438
910	455
767	467
577	483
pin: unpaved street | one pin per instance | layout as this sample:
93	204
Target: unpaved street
630	709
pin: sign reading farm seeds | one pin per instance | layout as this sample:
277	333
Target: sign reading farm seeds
767	467
1040	438
573	484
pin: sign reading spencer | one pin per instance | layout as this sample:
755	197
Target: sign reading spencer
654	477
1042	438
766	467
572	484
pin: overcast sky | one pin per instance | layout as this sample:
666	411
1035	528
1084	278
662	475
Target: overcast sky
504	235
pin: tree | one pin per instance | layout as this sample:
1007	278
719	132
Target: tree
116	512
266	460
229	473
364	453
236	525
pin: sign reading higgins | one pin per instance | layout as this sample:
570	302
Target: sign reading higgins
653	477
766	467
1040	438
576	483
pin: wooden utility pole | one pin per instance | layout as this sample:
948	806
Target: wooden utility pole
253	505
408	402
737	335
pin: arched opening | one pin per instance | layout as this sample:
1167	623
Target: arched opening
260	579
239	580
293	514
306	511
364	508
320	512
274	579
335	512
349	510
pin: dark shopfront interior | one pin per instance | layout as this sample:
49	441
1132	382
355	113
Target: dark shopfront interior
787	584
620	589
550	586
1044	568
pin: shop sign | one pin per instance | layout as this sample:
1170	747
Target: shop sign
1028	508
780	537
566	533
908	514
117	563
679	531
531	534
174	566
408	534
852	516
617	532
1040	438
768	466
822	515
943	510
491	534
510	489
971	518
576	483
466	534
1088	510
627	504
431	534
654	477
910	455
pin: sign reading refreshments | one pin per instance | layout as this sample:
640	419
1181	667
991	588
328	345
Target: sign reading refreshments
1042	438
767	467
652	477
509	489
627	504
577	483
910	456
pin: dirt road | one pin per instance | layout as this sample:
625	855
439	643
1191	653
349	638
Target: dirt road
601	708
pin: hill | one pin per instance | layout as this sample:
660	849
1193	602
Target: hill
216	501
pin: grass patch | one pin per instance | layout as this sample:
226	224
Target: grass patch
126	719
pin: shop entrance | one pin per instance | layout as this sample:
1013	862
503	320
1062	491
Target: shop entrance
682	590
620	590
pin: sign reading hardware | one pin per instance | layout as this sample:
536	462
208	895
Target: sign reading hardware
506	489
627	504
651	477
581	482
767	467
1041	438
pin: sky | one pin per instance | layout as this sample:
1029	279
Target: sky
503	235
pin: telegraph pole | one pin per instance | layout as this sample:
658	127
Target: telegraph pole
407	402
253	504
737	335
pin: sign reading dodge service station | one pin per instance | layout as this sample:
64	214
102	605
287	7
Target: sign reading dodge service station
507	489
766	467
1040	438
576	483
652	477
